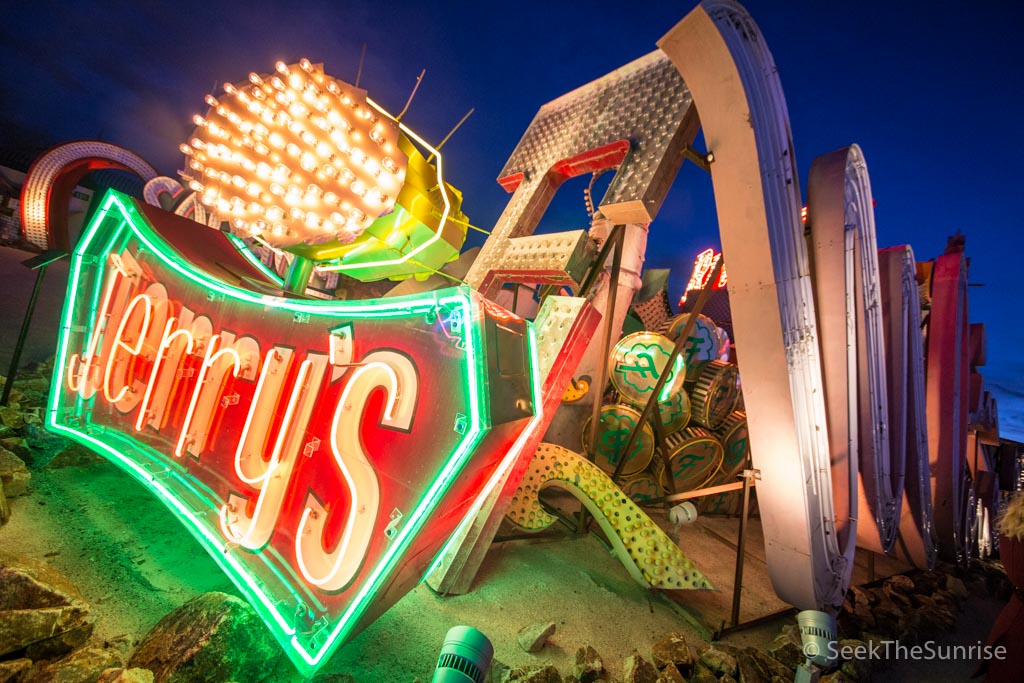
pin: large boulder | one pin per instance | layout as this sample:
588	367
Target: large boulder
213	637
81	666
14	475
40	609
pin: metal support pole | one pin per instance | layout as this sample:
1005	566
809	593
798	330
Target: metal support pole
684	336
297	278
615	241
39	264
741	544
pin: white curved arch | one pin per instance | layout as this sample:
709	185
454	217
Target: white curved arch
908	421
70	162
718	49
841	220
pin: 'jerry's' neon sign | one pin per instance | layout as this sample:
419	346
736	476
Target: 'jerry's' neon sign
322	452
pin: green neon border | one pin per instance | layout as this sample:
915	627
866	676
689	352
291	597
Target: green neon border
306	661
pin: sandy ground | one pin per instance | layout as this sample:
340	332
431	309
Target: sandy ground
134	563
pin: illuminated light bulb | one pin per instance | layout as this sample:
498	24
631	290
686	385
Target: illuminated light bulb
196	186
223	205
195	165
375	195
281	99
276	188
305	64
275	213
297	213
230	89
330	198
277	83
313	191
211	100
372	167
277	230
260	148
266	197
322	123
198	120
185	149
338	138
308	138
312	220
238	181
267	115
356	135
376	136
294	127
308	162
357	215
294	192
252	189
347	176
197	143
260	130
258	94
358	188
239	223
281	67
347	100
337	218
254	107
327	226
366	113
298	109
389	165
212	173
293	149
255	207
255	79
328	171
296	81
323	149
263	169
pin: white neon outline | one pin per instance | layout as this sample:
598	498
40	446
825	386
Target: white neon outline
165	344
119	343
94	341
282	357
256	535
208	362
344	564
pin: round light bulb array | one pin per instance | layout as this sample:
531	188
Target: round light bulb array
295	157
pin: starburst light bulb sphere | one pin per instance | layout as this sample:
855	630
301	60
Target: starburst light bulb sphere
295	157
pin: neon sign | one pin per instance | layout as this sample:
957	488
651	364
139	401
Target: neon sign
321	451
703	264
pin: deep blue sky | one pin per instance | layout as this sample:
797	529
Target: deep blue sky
926	89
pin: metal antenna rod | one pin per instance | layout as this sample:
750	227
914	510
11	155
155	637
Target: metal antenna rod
451	133
416	87
362	58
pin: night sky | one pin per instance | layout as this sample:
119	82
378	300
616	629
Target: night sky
926	89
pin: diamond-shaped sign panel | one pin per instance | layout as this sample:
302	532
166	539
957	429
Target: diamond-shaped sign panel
321	451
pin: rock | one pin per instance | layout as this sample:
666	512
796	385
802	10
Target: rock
61	644
857	669
702	676
673	649
730	679
495	673
81	666
670	674
957	588
887	617
751	669
636	669
12	669
12	417
787	652
75	455
835	677
122	675
718	661
533	674
213	637
14	476
772	665
5	507
900	584
533	638
37	603
589	666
